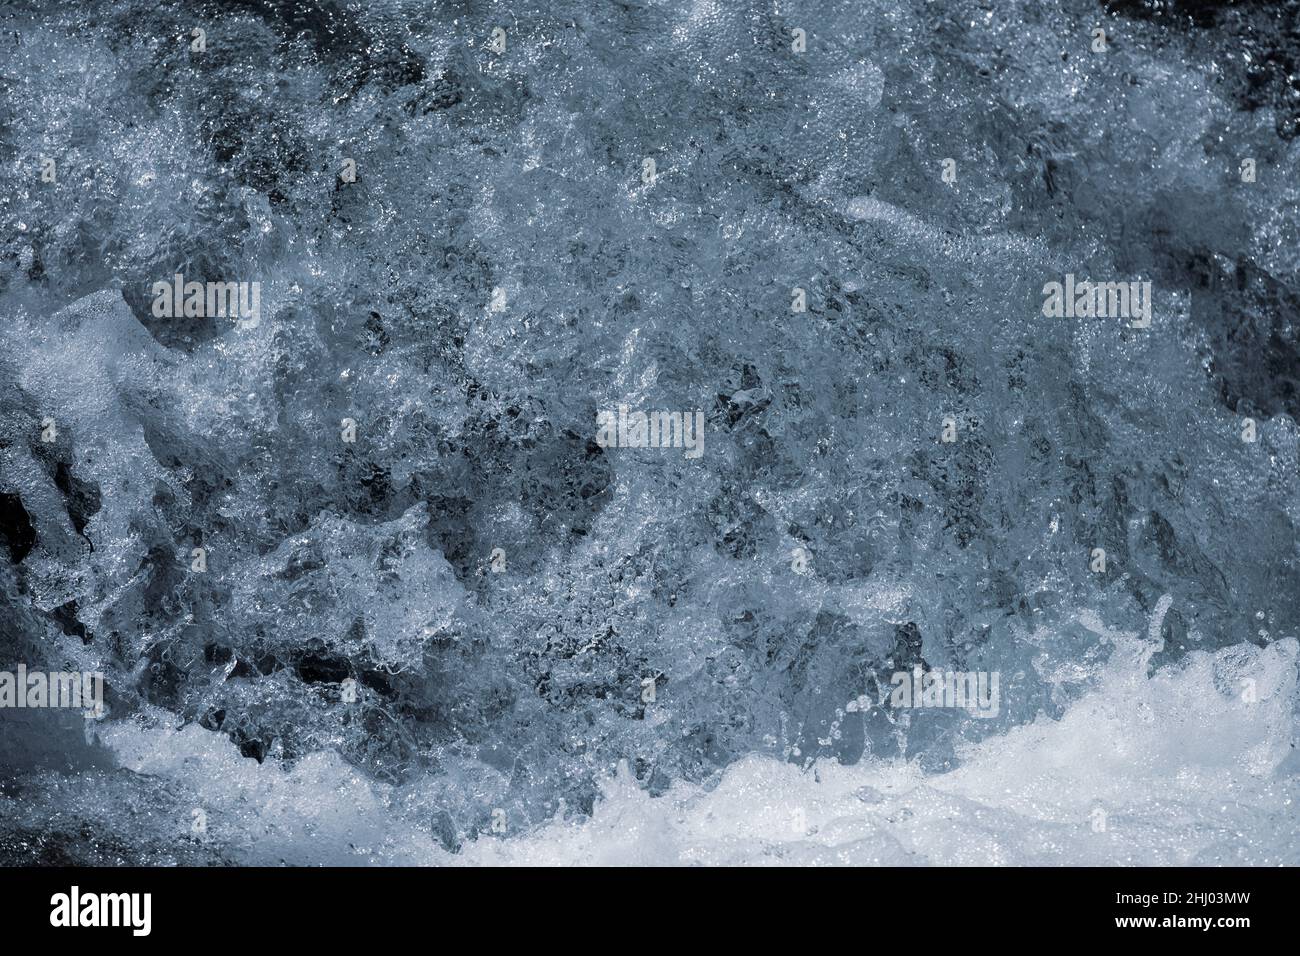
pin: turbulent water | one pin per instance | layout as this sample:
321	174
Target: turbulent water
367	583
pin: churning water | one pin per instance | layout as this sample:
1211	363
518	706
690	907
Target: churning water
547	432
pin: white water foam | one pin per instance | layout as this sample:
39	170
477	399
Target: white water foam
1184	770
1190	765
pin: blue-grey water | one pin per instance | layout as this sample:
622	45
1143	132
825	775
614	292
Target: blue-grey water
367	583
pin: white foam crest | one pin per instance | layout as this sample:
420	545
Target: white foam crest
1191	764
1183	766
